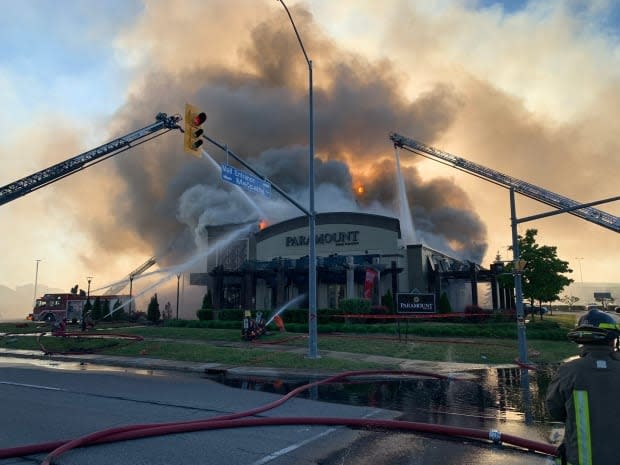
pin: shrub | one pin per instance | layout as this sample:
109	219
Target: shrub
207	300
444	304
204	314
379	309
473	309
230	314
355	305
153	314
137	316
388	301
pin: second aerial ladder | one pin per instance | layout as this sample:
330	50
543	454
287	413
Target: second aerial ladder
545	196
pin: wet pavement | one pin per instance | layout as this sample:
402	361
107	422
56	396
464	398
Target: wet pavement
492	398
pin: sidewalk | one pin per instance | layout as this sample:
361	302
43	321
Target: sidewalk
148	363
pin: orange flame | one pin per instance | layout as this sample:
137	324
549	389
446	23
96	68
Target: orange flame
262	224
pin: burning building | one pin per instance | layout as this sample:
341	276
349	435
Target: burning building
359	255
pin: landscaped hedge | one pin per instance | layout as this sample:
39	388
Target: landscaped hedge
204	314
355	306
296	321
291	315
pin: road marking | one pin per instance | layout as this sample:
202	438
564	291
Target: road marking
286	450
34	386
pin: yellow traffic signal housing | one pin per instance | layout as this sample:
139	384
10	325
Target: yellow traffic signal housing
194	118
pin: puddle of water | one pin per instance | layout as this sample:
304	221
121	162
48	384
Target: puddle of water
495	399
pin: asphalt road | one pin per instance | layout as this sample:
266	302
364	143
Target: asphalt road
42	401
38	405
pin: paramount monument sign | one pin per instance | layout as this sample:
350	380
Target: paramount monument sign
415	303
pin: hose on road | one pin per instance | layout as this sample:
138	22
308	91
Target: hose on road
238	420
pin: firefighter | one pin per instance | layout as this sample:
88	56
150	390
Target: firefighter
245	330
583	394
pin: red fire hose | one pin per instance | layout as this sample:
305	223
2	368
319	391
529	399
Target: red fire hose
66	334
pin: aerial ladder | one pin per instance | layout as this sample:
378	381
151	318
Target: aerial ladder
545	196
118	287
21	187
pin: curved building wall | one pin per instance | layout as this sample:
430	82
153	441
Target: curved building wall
344	234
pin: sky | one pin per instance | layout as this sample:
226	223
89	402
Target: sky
528	88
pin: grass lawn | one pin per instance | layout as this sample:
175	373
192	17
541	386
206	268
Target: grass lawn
489	342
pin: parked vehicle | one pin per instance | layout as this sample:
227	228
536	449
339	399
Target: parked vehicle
69	307
529	310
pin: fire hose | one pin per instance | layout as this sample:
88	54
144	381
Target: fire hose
66	334
239	420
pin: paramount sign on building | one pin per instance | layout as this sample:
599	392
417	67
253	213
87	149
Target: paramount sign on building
336	238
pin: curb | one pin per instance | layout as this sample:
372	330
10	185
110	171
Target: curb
208	369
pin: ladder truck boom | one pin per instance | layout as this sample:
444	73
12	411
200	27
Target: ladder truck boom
524	188
117	288
54	173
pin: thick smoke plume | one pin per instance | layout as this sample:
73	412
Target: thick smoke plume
260	110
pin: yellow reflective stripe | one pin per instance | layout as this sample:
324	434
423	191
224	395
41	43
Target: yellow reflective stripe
582	423
608	325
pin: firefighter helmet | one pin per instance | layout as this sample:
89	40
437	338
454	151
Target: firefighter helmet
595	327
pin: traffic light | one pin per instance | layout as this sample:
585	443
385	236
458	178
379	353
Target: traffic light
194	118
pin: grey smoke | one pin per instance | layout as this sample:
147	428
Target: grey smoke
168	196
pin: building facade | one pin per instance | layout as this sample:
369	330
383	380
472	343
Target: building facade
359	255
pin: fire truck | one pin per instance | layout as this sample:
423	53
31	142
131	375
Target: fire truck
69	307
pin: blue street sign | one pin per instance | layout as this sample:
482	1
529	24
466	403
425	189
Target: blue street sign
245	180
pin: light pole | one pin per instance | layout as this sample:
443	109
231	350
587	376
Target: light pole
89	279
130	293
312	316
178	284
580	273
36	279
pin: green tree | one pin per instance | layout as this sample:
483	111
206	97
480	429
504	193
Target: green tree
207	300
387	300
542	278
603	299
153	314
116	313
444	304
86	313
97	311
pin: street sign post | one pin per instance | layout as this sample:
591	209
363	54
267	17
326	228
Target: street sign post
245	180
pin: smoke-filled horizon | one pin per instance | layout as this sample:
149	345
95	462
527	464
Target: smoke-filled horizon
261	112
527	88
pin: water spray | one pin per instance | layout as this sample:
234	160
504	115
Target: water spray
406	222
172	271
284	307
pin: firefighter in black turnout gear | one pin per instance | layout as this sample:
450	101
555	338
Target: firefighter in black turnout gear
584	394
